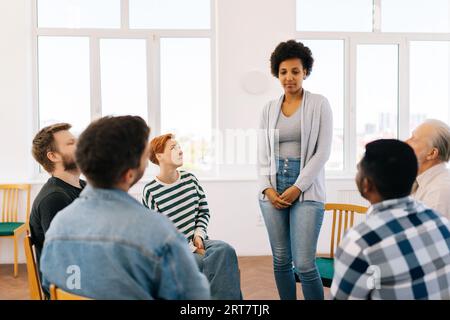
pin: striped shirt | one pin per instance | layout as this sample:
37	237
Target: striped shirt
183	202
402	251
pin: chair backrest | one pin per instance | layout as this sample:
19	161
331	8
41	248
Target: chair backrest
59	294
34	284
10	201
343	219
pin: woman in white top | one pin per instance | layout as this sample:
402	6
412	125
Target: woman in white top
294	143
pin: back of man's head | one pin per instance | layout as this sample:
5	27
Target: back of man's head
392	167
109	147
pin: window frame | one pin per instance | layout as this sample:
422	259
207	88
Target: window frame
351	41
152	38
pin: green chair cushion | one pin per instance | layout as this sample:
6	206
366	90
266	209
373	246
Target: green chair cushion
326	270
7	228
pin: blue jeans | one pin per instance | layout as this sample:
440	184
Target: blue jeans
220	266
293	234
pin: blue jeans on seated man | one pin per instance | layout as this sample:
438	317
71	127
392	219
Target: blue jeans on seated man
293	234
220	266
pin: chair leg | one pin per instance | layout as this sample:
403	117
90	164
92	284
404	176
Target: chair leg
16	267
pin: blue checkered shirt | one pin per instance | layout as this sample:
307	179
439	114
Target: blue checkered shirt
402	251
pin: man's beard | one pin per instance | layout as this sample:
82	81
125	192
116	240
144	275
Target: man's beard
69	163
140	174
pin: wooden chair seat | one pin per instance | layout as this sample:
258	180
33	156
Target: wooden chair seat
10	226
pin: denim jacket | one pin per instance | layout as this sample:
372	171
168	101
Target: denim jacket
105	245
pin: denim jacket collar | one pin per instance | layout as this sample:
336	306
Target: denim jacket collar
107	194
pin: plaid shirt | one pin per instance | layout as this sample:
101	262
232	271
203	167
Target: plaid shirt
402	251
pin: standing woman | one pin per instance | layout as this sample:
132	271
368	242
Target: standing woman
294	143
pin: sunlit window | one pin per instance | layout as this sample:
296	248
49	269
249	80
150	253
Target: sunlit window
334	15
327	79
64	85
94	64
376	94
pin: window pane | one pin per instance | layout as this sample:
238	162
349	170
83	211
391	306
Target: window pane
429	98
124	77
415	15
376	94
327	78
79	13
64	86
332	15
170	14
186	97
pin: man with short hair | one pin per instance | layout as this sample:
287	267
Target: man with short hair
105	245
54	149
431	144
401	251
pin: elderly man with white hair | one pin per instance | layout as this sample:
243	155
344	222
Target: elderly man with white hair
431	144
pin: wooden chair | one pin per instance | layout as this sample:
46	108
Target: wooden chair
343	219
34	284
59	294
10	227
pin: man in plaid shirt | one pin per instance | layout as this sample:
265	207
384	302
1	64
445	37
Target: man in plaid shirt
402	250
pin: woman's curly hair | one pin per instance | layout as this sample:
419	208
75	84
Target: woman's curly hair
289	50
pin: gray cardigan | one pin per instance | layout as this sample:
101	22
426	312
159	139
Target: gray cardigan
316	136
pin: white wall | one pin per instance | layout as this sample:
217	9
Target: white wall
15	90
247	32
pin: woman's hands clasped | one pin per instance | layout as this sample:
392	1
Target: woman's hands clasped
285	200
291	194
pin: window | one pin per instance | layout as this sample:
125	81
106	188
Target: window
91	62
64	85
429	81
327	78
415	15
395	66
334	15
78	13
186	97
376	94
123	66
170	14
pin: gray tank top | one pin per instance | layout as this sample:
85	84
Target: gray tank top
289	135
